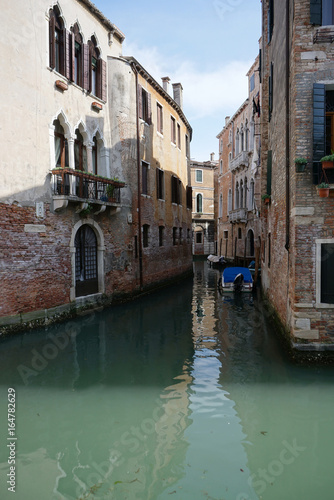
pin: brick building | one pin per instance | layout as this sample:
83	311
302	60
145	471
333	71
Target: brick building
95	198
204	188
297	122
239	174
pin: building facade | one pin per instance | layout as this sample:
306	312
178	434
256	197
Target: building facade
297	123
95	198
239	174
204	188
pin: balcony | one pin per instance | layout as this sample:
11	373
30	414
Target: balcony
84	189
238	215
239	161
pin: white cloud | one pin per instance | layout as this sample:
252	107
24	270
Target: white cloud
221	90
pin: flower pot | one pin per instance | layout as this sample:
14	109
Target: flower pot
300	167
327	164
323	192
266	201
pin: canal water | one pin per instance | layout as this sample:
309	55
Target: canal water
182	394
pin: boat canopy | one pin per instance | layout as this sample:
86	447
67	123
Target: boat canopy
231	272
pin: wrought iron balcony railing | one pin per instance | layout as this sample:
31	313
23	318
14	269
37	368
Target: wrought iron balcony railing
77	185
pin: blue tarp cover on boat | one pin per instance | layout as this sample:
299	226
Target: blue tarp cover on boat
231	272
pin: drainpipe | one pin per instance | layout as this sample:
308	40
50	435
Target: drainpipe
287	120
140	244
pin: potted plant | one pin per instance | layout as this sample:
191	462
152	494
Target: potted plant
266	198
323	190
327	161
110	191
300	164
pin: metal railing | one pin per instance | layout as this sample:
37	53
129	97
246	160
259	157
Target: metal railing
79	184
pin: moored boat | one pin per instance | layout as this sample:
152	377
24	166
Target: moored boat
236	279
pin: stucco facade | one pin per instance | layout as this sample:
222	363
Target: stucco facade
204	190
83	216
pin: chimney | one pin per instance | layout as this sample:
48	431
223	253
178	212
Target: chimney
178	94
226	119
165	83
212	157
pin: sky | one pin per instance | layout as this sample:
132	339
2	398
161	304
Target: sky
207	45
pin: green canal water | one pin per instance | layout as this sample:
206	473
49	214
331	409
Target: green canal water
180	395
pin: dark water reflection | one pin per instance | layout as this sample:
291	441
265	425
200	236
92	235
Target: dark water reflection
181	394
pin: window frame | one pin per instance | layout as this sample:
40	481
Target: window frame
319	242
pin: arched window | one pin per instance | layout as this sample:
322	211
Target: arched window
242	136
94	156
80	152
61	146
251	195
241	201
229	201
237	143
250	243
252	132
246	194
77	56
221	205
236	201
246	136
199	203
56	41
97	71
86	275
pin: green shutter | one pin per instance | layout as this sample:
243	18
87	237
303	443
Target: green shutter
319	128
269	169
315	11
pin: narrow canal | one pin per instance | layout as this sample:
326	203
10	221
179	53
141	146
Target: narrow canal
178	395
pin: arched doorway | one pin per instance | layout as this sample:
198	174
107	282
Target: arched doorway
86	268
250	243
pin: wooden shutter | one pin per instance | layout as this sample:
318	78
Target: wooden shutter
72	76
67	54
102	70
269	169
149	109
319	128
52	42
85	57
315	11
140	101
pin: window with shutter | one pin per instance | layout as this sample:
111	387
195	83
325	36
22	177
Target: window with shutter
159	118
144	105
269	169
319	128
173	129
160	184
144	186
270	20
77	56
57	42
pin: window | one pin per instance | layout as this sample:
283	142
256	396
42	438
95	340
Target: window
94	156
322	12
176	189
237	143
229	201
61	146
159	119
239	233
199	175
236	198
80	152
188	235
271	90
97	75
270	19
252	83
221	167
269	169
178	136
199	203
160	184
199	237
146	228
225	235
325	271
161	236
251	195
56	41
144	181
144	105
221	205
77	54
241	200
180	236
189	196
173	129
